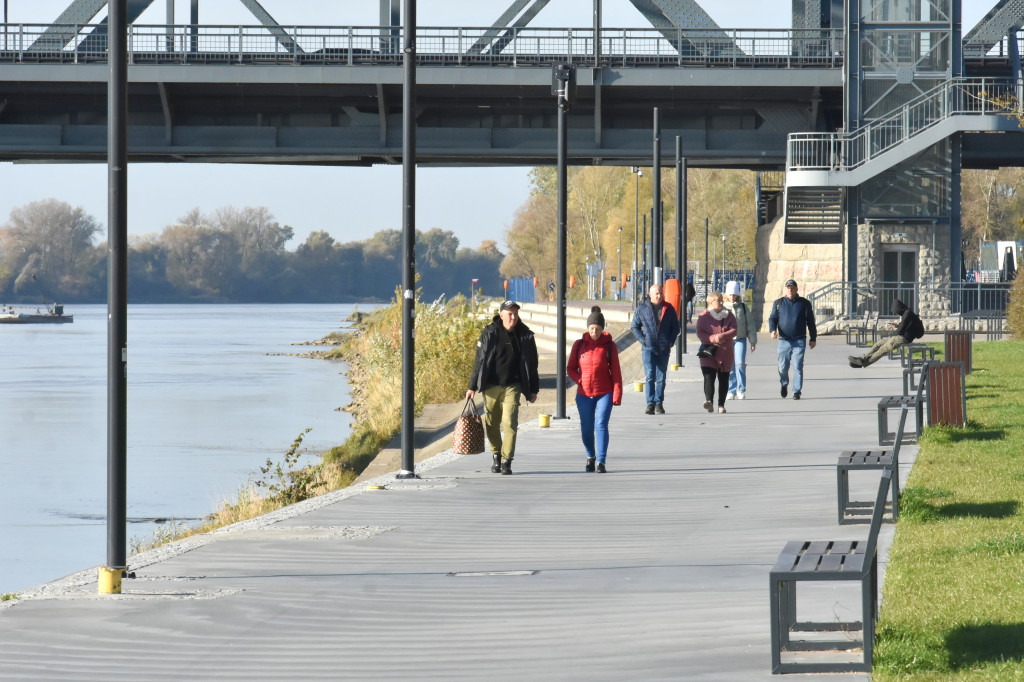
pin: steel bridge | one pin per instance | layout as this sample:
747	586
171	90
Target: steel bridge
871	108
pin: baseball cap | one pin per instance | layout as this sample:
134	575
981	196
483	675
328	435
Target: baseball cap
508	305
790	282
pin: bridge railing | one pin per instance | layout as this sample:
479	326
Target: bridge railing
844	151
927	299
356	45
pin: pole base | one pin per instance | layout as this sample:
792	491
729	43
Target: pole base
110	580
403	474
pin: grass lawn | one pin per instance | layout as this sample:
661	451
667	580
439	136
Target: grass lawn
953	600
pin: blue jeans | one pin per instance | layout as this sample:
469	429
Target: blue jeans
792	349
655	367
689	311
594	415
738	375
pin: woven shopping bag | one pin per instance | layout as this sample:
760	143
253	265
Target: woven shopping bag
469	431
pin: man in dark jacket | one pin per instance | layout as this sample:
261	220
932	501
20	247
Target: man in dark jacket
691	293
908	329
791	321
655	326
505	368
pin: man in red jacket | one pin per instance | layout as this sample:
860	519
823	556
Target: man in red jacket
594	366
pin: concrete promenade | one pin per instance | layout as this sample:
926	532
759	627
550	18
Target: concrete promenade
657	570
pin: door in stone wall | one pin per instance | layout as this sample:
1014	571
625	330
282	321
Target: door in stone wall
899	278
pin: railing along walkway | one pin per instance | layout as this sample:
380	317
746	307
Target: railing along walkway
436	46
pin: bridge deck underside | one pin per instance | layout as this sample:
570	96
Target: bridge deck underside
737	122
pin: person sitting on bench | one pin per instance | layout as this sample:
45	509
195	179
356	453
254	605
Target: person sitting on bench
908	329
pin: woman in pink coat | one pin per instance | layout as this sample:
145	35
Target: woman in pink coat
716	326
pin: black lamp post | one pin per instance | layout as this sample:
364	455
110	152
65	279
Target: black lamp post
618	294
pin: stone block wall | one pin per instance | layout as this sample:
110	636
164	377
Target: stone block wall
930	243
811	265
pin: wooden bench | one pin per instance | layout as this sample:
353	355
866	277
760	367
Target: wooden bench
827	560
856	333
947	393
959	348
852	511
896	402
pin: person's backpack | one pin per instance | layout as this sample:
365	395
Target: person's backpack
916	328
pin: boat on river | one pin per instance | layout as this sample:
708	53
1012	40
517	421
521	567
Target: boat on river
54	315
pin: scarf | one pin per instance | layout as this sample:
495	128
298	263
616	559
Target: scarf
719	315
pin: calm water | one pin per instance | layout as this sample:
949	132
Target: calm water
206	407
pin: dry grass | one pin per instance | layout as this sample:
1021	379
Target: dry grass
446	335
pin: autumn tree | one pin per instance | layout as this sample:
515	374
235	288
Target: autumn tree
48	249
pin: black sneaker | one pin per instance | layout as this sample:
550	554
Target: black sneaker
601	469
659	409
784	392
796	395
856	362
650	408
590	465
506	467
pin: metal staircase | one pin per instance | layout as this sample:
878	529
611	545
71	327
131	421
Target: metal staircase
814	215
818	162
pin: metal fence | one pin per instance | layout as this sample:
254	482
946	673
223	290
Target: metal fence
460	46
851	300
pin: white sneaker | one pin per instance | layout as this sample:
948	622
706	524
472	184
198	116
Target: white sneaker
731	396
741	396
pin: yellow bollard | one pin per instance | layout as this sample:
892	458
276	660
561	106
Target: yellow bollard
675	367
638	386
545	421
110	580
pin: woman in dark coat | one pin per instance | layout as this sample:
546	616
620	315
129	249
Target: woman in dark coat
716	326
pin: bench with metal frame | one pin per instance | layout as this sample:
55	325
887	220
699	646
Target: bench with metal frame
856	333
915	401
827	560
853	511
913	374
908	350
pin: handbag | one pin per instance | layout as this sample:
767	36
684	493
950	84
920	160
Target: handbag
706	350
469	431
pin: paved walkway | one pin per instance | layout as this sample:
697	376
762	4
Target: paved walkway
655	571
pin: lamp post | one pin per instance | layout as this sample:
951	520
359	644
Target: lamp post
472	292
636	227
723	260
618	293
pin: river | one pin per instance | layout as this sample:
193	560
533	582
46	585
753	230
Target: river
208	403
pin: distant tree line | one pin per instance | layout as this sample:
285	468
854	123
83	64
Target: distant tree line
49	252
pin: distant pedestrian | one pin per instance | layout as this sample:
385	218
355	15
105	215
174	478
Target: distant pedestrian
791	321
746	339
691	293
505	368
656	327
909	328
594	366
717	326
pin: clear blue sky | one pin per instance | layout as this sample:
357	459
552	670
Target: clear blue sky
350	203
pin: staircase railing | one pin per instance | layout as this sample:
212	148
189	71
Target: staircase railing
844	151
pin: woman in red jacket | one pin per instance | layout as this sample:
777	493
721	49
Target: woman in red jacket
594	366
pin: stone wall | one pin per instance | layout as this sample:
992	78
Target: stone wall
811	265
933	263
